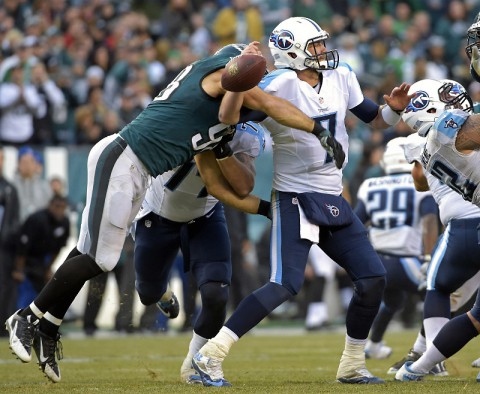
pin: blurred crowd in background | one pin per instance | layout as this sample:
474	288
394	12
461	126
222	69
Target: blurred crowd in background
73	72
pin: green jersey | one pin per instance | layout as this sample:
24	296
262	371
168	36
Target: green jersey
182	120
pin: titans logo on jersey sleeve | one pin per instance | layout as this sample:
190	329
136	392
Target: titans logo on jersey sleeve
283	40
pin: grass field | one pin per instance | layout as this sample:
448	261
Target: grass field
262	362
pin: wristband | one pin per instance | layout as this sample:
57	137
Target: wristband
390	116
222	151
264	208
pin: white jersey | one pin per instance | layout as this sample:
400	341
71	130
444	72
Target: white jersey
457	170
180	194
300	162
392	205
450	204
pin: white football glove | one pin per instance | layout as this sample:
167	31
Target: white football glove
475	60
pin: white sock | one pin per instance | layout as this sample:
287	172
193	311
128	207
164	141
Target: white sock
354	347
223	341
432	326
196	344
429	359
420	345
372	346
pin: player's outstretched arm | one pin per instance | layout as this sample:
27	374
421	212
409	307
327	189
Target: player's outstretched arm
278	109
468	138
218	187
389	114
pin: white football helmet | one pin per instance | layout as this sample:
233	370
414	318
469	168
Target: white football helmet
289	41
393	160
473	36
432	98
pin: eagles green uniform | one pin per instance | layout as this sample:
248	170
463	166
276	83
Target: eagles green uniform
182	120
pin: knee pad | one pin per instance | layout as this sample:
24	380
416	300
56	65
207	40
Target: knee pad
214	295
149	296
369	291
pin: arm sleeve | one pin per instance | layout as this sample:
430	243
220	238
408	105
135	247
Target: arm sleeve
366	111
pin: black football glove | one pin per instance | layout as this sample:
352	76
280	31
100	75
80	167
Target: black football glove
222	150
330	144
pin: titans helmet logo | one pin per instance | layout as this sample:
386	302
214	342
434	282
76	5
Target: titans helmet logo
419	102
283	40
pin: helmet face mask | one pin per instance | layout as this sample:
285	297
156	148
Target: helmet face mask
292	45
473	36
432	98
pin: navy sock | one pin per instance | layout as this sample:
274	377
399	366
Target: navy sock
455	335
255	307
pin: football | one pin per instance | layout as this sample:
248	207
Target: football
243	72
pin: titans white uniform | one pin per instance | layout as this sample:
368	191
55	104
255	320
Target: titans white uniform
393	207
180	195
177	213
300	162
454	260
451	205
459	171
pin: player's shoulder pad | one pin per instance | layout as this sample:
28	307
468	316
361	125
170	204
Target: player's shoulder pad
249	138
272	75
344	67
450	121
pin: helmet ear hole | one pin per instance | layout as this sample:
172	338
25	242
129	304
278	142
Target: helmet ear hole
293	55
432	111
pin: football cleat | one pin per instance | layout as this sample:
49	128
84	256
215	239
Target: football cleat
377	351
169	308
46	348
439	370
21	331
188	374
210	370
406	374
352	370
476	363
411	356
360	376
